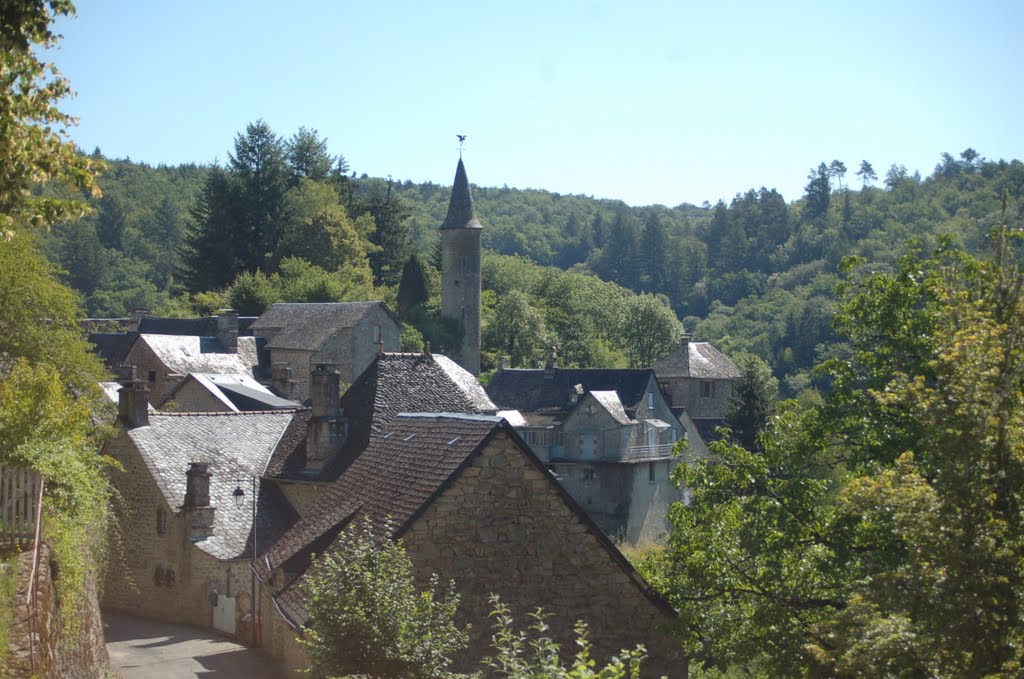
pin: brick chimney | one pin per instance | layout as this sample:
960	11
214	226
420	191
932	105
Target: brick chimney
328	427
197	510
227	330
133	404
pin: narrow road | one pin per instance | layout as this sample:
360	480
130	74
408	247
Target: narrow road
143	649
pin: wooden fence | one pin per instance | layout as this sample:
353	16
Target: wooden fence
21	492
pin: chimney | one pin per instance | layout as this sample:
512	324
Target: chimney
685	340
552	365
281	380
133	404
504	363
327	424
136	316
227	330
575	393
197	509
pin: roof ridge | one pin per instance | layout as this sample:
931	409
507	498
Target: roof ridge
226	413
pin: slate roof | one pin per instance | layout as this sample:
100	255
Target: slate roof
236	446
185	354
113	347
697	359
158	325
461	213
392	383
236	391
543	391
307	327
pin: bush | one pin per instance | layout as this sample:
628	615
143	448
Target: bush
366	616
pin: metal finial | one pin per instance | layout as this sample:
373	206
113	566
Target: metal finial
462	139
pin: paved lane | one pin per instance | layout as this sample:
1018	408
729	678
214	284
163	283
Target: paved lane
143	649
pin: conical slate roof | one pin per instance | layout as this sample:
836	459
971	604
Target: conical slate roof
461	214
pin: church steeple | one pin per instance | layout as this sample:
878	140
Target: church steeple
461	271
461	214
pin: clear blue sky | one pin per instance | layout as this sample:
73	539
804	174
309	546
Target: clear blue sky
648	102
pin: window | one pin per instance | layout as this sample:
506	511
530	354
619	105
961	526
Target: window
651	473
650	399
537	437
161	521
591	410
376	332
152	376
588	474
707	389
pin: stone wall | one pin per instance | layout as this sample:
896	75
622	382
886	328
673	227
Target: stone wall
193	397
300	495
686	391
39	644
460	293
503	527
146	364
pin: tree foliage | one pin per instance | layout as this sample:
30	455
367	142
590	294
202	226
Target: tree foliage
367	617
33	131
531	654
880	534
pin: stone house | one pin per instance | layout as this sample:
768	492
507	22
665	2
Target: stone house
698	378
465	492
204	392
346	335
470	501
184	546
163	360
607	435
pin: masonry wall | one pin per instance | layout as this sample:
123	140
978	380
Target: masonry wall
302	496
143	361
39	645
192	397
686	391
300	363
280	639
460	292
504	527
163	575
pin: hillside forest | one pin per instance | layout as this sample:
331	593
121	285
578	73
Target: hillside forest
287	219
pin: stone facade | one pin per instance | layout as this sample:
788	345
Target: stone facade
703	398
502	527
348	349
162	574
461	290
38	643
193	397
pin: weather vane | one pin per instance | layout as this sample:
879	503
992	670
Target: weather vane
462	139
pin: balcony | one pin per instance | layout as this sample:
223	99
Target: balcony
641	453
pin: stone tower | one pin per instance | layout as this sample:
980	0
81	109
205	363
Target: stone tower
460	270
